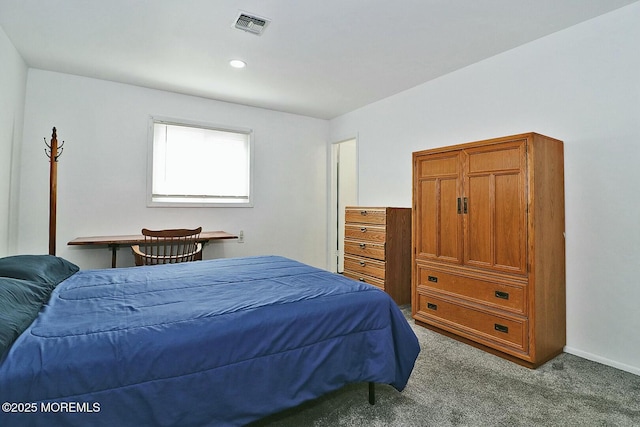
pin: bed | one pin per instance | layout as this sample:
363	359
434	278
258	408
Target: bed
217	342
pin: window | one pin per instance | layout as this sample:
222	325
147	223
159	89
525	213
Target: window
194	164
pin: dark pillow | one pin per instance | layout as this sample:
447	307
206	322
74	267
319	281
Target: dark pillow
20	302
37	268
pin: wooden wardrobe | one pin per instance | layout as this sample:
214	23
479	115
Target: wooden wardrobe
488	248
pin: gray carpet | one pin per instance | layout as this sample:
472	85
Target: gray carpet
454	384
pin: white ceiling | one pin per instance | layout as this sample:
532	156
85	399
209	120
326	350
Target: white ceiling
319	58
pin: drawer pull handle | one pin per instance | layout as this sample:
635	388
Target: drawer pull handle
433	279
362	245
431	306
362	264
501	328
363	213
502	295
363	229
362	279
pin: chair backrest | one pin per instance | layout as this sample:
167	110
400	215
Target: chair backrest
168	246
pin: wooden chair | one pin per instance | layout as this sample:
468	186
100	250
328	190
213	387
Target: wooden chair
168	246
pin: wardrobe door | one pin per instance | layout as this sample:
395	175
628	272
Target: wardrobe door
495	207
438	226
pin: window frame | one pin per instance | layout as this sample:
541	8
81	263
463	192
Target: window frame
186	202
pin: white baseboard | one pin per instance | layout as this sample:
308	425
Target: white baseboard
594	358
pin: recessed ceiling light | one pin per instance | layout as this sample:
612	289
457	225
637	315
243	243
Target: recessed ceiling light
236	63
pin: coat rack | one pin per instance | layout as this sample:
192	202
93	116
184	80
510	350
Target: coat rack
52	152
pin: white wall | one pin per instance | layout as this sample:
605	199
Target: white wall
581	85
102	172
13	81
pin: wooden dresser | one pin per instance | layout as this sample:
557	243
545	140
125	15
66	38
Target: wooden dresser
377	249
488	245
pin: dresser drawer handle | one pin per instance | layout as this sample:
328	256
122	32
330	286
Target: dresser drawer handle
362	279
362	264
363	213
502	295
501	328
433	279
362	245
363	229
431	306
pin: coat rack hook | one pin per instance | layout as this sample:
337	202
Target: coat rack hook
53	146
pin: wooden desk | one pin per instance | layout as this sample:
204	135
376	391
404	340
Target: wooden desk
114	242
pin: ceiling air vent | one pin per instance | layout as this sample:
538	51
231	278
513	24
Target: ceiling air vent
251	23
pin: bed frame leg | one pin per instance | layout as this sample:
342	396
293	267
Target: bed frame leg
372	393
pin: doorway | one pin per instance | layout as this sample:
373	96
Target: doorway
344	193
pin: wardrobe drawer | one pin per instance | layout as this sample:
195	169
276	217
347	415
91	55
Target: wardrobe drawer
503	330
364	278
365	249
366	215
365	266
499	295
370	233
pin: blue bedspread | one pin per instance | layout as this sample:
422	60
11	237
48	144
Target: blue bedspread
220	342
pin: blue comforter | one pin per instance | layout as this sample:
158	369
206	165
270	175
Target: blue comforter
220	342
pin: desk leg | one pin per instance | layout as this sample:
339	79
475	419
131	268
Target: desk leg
198	256
114	248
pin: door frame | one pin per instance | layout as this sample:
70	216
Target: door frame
333	255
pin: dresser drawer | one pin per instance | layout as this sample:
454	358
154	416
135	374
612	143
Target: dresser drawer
366	266
370	233
499	295
503	330
364	249
364	278
366	215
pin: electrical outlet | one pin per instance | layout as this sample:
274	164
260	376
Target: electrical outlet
241	236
